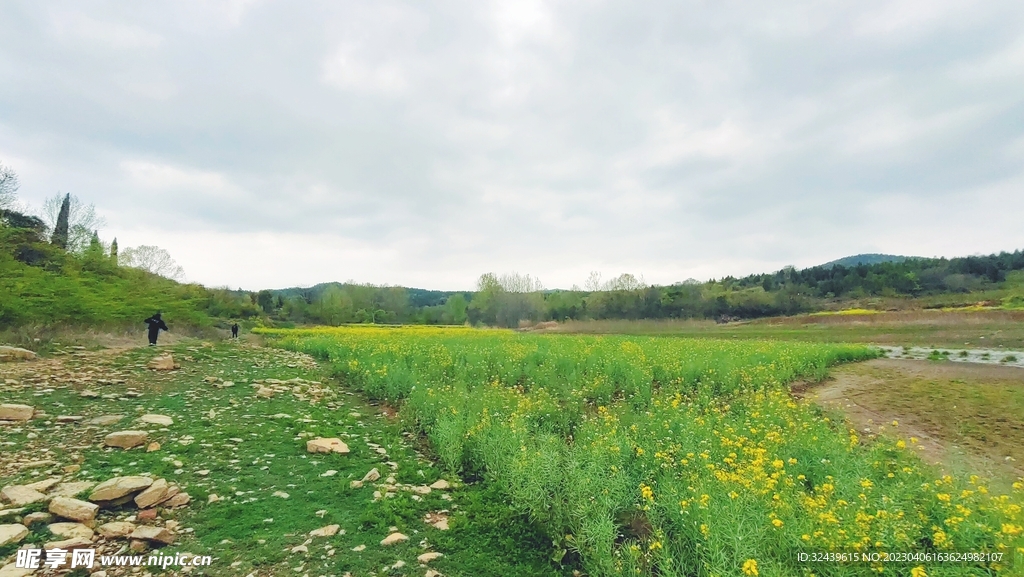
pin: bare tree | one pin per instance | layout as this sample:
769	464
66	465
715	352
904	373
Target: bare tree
8	187
82	220
520	283
153	259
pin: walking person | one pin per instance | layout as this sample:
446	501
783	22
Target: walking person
156	324
234	331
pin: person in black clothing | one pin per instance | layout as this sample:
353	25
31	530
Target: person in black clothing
234	331
155	325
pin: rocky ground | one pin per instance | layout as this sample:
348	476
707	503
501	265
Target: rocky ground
245	453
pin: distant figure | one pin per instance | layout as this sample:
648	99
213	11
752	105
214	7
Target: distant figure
155	324
234	331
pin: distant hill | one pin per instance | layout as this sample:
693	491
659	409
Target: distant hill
868	259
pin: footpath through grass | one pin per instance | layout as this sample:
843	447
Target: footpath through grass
250	452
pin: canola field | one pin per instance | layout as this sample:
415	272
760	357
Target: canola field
671	457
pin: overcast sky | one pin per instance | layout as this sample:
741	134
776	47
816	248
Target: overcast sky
272	144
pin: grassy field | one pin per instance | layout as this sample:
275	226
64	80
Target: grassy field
647	456
932	328
250	451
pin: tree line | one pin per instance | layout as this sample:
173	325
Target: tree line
56	268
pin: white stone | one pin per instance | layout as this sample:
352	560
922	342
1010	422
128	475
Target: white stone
154	419
322	445
126	439
328	531
394	538
70	530
20	495
428	557
118	487
11	412
73	509
12	533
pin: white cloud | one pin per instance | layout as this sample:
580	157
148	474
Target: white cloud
76	26
423	144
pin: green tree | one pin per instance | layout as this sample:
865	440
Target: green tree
455	309
60	227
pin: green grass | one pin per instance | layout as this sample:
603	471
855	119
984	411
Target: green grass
250	455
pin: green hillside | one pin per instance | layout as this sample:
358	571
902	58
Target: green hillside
865	259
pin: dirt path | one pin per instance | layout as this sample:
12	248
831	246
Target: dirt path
963	417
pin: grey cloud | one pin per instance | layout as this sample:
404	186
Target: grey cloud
684	139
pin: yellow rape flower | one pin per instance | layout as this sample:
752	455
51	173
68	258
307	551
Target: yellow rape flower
750	567
918	572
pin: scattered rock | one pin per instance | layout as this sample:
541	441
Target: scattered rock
154	446
265	392
9	412
11	512
125	439
420	490
213	498
300	549
428	557
280	494
13	533
146	515
44	485
328	531
163	363
429	573
20	495
72	489
394	538
88	394
179	500
359	548
118	487
398	564
356	484
157	534
329	473
70	544
440	485
73	509
69	469
437	520
322	445
70	530
37	517
116	529
154	419
104	420
69	418
371	476
11	570
8	354
152	495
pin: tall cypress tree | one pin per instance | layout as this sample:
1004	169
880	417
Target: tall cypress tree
60	230
113	250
